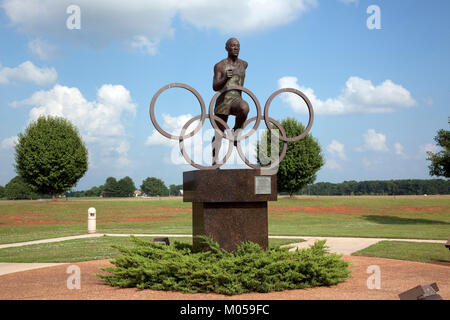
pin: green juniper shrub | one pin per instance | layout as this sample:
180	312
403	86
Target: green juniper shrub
250	269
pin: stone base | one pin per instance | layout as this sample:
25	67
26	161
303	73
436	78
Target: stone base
230	224
229	206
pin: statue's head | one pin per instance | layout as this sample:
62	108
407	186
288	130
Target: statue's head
232	46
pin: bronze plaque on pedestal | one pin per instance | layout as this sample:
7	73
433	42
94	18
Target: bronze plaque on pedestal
263	184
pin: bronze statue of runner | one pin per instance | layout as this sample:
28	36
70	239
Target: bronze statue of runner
228	72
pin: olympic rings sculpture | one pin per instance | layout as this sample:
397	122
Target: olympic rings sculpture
229	135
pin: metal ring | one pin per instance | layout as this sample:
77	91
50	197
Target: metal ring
308	103
190	161
230	136
255	100
152	111
283	152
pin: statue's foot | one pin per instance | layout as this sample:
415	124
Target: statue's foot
214	163
233	131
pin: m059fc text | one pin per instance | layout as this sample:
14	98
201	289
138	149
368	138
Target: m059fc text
233	309
237	309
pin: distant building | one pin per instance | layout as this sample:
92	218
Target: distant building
137	193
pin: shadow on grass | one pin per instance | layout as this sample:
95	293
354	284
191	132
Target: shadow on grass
397	220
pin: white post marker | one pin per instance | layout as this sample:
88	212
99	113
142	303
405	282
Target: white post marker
92	213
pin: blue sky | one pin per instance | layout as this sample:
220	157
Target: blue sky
380	95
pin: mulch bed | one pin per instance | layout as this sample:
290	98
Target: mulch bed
397	276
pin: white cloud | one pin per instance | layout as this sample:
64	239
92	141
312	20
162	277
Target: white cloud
398	149
158	139
242	16
99	121
194	146
423	151
42	49
332	164
122	162
144	45
9	143
359	96
116	20
374	141
336	149
428	148
123	148
28	72
172	125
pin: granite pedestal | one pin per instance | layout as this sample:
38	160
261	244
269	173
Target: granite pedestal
229	206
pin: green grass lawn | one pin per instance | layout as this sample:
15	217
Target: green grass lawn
390	217
85	249
34	220
379	217
422	252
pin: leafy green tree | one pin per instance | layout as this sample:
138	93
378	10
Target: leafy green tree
440	161
302	161
111	188
126	187
154	187
50	155
17	189
2	192
391	187
94	192
76	194
174	190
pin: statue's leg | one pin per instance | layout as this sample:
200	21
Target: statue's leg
216	142
240	109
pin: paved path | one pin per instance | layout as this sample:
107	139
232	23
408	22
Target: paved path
84	236
347	246
6	268
340	245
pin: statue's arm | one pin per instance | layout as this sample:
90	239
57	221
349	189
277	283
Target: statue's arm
220	78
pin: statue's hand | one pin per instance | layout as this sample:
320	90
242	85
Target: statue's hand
229	73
